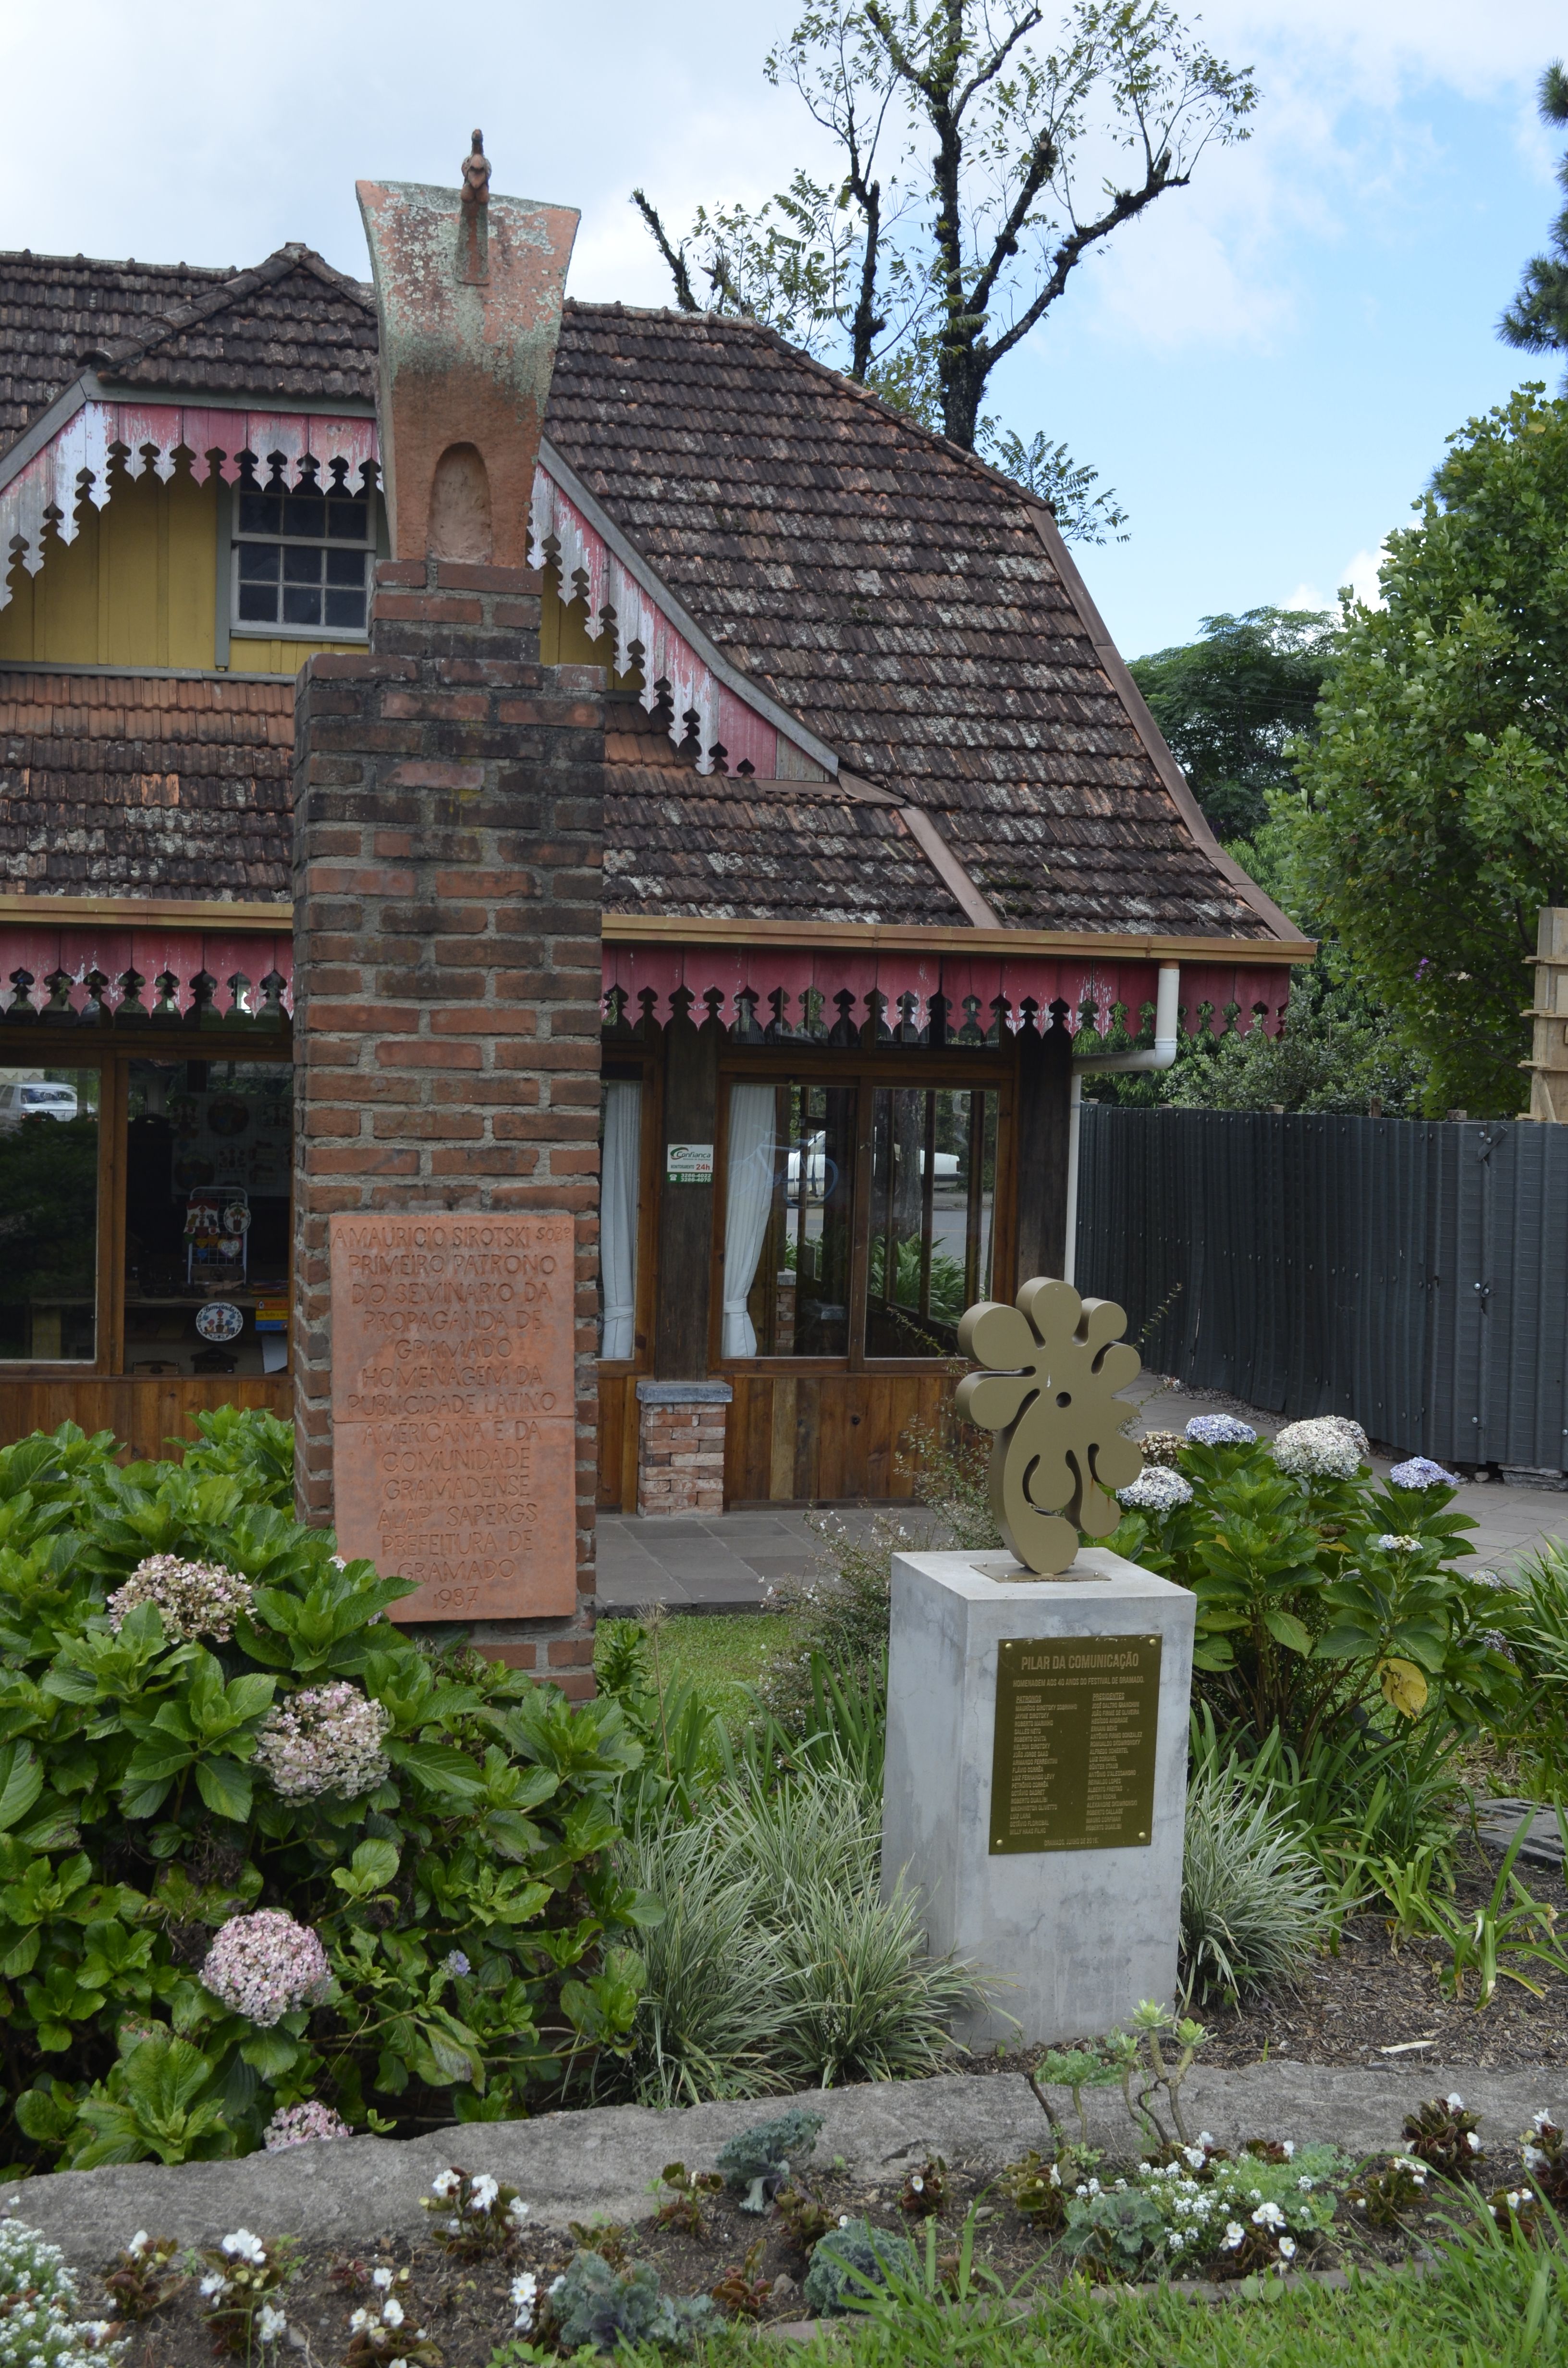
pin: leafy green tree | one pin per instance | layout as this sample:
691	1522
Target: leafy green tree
1434	820
920	285
1231	703
1537	317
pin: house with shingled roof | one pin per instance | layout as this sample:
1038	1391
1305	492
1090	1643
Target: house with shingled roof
890	838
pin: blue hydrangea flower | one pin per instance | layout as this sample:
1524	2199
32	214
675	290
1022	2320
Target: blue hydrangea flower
1420	1472
1220	1430
455	1962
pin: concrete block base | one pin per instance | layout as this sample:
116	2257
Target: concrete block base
1078	1936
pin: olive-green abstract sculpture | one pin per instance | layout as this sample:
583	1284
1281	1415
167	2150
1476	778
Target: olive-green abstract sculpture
1056	1365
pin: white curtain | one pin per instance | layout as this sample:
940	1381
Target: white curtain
750	1200
619	1174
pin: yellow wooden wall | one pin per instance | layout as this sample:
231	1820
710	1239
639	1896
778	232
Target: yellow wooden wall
564	637
137	588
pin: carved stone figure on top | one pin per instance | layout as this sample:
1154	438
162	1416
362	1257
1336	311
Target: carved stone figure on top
476	175
1056	1365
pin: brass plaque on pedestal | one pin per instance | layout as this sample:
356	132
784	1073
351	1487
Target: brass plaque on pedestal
1072	1760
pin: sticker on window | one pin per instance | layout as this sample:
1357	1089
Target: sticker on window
688	1163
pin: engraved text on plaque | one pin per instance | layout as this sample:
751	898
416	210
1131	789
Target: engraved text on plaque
1072	1760
454	1433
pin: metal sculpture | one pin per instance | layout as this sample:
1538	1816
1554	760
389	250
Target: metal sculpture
1056	1363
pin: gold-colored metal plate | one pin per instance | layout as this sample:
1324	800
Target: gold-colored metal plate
1072	1760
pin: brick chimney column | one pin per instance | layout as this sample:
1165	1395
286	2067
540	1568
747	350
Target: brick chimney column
449	794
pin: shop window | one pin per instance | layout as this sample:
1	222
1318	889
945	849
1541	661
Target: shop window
302	562
620	1162
49	1214
933	1190
789	1202
208	1164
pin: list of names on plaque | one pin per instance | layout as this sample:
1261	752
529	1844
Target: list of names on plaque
454	1433
1073	1756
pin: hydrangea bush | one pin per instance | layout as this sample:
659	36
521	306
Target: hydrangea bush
1323	1594
268	1869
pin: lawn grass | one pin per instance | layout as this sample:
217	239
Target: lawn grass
718	1657
1493	2306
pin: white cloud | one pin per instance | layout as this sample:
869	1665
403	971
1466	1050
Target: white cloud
1359	571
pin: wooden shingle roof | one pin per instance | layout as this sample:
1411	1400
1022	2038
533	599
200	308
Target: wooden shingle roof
916	611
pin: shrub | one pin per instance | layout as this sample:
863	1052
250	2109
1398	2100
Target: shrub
1253	1905
190	1952
39	2325
851	2261
841	1619
1322	1596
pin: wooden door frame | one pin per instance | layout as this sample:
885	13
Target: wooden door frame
991	1069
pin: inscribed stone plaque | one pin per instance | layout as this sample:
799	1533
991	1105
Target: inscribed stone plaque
1072	1758
454	1433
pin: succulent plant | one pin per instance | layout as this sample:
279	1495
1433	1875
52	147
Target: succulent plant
593	2304
757	2162
850	2259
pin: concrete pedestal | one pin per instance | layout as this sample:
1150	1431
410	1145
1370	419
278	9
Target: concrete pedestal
1080	1934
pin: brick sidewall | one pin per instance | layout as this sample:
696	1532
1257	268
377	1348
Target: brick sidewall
680	1459
447	854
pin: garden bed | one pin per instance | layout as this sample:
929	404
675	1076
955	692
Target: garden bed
466	2307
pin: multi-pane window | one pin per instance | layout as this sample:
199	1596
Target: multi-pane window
932	1188
302	561
49	1214
788	1220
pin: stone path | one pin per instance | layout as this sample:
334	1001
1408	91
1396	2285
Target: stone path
606	2163
728	1562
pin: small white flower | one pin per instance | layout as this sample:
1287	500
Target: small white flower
446	2184
215	2282
1455	2102
392	2311
244	2247
1093	2187
1055	2175
1196	2156
556	2283
1287	2248
483	2190
362	2319
382	2278
1290	2150
1472	2142
917	2183
271	2322
1268	2215
138	2244
525	2296
517	2211
842	2222
1234	2235
1542	2121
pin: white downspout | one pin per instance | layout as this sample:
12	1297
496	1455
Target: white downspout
1160	1055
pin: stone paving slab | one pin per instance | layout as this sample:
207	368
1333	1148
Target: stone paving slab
604	2161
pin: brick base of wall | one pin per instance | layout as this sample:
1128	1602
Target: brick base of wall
680	1446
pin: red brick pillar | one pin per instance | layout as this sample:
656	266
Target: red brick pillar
447	894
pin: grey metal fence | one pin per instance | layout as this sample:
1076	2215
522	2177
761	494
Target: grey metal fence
1413	1274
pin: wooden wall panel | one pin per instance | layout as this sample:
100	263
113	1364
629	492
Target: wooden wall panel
144	1414
825	1438
618	1443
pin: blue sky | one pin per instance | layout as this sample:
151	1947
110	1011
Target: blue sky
1265	369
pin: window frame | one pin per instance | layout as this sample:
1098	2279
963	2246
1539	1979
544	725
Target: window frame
62	1048
991	1069
249	628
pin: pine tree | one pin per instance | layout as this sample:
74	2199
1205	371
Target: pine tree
1537	317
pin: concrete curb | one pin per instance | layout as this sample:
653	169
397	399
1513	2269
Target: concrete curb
604	2162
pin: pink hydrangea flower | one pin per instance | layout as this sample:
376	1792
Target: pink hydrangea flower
196	1598
293	2125
325	1739
265	1965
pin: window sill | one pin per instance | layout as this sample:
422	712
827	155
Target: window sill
251	632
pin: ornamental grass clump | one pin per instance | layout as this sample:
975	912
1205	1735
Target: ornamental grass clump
265	1967
192	1598
1254	1906
38	2325
325	1740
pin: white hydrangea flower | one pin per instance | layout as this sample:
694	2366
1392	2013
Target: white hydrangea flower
1328	1447
264	1966
1220	1430
325	1740
194	1599
1157	1489
1397	1542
